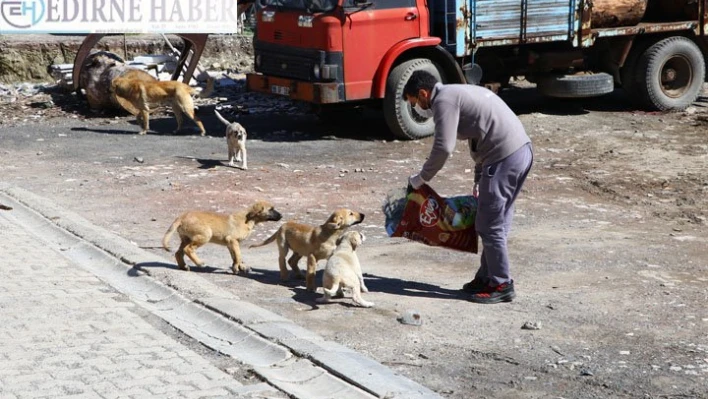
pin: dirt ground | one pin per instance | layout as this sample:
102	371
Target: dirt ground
608	246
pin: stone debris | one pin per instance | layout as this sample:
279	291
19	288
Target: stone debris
411	317
41	101
13	92
160	66
557	350
531	325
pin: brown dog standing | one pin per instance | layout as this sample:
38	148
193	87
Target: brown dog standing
197	228
136	95
313	242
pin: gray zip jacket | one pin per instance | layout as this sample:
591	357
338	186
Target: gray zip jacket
476	114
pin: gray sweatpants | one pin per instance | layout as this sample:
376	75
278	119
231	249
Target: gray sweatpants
499	186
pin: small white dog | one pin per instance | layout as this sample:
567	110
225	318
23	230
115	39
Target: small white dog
343	270
236	141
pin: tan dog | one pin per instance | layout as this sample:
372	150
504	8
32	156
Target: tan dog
235	140
197	228
139	94
132	74
313	242
344	271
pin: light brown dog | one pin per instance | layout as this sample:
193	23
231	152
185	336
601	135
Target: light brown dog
136	96
343	270
236	141
132	74
313	242
197	228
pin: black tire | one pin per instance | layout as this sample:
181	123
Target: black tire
576	86
670	74
403	121
628	73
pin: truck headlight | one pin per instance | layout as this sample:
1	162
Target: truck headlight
329	71
268	16
305	21
316	71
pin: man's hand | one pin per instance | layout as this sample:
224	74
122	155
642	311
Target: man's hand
416	181
475	190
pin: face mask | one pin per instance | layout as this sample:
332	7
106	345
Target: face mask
425	113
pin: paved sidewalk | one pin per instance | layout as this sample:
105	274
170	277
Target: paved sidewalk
81	318
66	333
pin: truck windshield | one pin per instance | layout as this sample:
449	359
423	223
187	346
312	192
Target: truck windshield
306	5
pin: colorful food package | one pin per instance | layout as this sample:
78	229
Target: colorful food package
424	216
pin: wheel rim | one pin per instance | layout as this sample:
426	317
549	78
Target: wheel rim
418	118
676	76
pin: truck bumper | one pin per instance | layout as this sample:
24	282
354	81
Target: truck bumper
316	93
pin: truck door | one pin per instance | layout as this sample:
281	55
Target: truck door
370	30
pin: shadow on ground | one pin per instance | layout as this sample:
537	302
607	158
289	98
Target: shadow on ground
292	127
527	100
374	283
145	266
302	124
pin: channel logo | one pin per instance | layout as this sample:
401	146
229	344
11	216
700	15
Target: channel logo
118	16
22	14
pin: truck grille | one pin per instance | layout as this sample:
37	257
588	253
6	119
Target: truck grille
285	37
287	66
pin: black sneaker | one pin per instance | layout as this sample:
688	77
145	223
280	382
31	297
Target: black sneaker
474	286
501	293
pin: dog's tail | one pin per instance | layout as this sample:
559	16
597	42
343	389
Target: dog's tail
267	241
221	118
168	234
332	292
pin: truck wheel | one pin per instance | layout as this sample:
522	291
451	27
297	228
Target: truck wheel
628	73
401	118
576	86
670	74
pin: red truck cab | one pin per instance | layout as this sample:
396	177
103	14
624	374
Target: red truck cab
333	51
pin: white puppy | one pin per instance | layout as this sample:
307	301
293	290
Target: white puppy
236	141
343	270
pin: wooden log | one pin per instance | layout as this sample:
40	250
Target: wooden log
672	10
614	13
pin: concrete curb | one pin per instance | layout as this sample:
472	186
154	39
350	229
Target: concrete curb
288	356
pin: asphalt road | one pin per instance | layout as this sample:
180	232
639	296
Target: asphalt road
608	244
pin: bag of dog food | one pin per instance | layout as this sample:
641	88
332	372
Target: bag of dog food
424	216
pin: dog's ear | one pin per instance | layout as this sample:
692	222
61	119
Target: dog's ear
334	221
256	209
355	239
360	238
